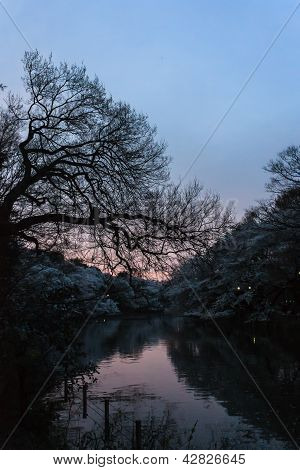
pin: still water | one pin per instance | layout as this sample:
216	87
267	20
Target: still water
187	386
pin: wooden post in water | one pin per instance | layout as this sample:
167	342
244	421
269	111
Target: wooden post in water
133	438
84	400
138	434
106	422
66	391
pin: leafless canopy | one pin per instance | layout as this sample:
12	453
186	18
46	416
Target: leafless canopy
285	171
282	210
82	172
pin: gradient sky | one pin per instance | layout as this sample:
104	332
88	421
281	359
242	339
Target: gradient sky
181	63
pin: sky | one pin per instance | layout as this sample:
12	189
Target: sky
181	63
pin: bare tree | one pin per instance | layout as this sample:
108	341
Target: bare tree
285	171
282	210
81	172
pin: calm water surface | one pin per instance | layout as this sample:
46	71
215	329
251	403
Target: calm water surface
175	375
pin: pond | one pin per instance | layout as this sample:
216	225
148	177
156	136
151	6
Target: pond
187	387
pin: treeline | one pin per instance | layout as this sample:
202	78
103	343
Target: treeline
253	272
47	282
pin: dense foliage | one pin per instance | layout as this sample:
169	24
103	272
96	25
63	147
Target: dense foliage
254	271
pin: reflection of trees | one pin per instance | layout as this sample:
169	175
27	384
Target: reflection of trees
204	362
127	337
207	365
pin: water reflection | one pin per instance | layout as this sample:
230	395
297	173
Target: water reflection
158	365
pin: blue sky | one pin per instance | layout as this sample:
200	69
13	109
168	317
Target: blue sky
181	63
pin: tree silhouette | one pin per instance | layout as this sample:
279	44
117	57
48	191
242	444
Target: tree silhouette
282	212
284	170
81	171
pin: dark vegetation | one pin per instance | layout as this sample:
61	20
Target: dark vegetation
80	176
253	272
84	177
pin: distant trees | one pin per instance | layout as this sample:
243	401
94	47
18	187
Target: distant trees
79	171
57	290
136	295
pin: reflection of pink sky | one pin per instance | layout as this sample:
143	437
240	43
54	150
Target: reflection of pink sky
149	369
152	373
147	384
